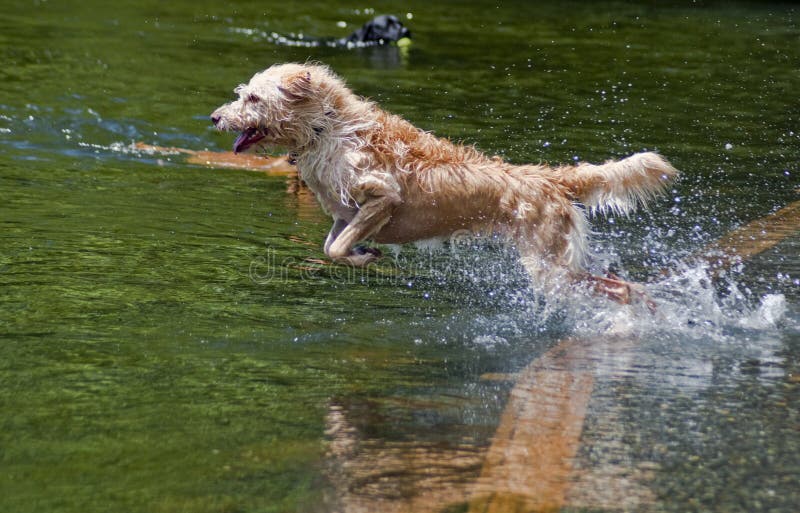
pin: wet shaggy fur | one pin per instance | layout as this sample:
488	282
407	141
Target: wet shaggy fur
382	179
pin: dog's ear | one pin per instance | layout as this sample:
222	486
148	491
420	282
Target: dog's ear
296	87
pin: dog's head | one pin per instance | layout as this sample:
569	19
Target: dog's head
287	104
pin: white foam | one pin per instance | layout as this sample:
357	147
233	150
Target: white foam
691	305
770	312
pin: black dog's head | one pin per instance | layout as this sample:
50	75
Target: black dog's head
381	29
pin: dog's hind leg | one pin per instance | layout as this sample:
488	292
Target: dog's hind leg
619	290
546	276
552	278
611	286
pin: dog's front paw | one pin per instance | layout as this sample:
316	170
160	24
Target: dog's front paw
360	256
366	250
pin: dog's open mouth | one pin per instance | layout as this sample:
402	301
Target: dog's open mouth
248	138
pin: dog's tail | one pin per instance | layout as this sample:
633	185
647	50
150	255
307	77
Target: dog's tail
619	186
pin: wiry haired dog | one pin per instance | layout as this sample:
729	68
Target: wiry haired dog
383	179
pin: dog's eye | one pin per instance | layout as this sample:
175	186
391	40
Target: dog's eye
253	98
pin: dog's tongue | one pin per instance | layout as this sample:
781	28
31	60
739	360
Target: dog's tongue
246	139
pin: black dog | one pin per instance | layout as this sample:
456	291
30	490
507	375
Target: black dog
379	30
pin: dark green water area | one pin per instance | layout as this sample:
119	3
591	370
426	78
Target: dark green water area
172	339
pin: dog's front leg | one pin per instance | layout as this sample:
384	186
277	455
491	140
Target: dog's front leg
372	215
359	256
338	225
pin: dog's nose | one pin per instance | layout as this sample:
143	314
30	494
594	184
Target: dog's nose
215	118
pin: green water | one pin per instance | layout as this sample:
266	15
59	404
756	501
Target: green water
165	345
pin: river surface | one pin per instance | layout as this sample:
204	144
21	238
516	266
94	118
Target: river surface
172	338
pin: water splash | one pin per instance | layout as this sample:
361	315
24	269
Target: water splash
300	40
693	305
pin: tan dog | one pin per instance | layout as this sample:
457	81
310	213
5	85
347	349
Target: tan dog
383	179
